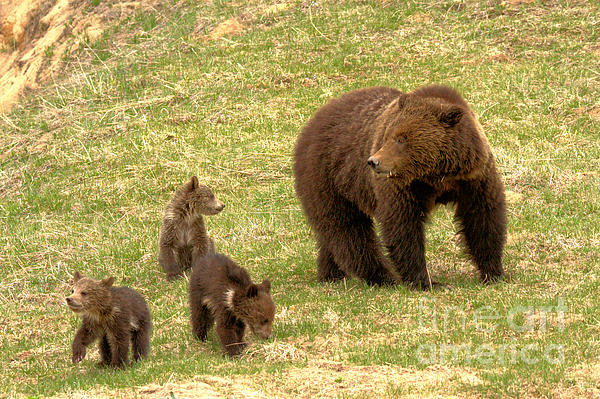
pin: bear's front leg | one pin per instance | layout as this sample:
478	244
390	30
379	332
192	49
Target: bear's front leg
481	212
402	230
201	247
83	338
202	318
168	261
229	335
166	251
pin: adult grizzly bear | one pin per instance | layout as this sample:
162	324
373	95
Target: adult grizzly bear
384	154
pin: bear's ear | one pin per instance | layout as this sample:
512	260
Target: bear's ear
252	291
266	285
77	276
194	183
450	115
107	281
402	100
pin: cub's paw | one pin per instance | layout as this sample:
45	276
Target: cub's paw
235	349
78	355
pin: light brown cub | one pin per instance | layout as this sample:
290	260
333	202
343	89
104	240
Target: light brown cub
114	315
183	236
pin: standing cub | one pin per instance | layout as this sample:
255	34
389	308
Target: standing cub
183	235
114	315
223	291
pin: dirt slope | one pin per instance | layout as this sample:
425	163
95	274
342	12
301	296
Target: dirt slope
35	34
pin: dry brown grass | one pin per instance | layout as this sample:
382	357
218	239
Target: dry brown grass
323	380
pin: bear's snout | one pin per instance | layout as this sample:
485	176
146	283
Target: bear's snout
72	303
220	206
265	334
373	162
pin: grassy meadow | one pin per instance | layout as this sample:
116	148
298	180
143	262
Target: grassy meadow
88	163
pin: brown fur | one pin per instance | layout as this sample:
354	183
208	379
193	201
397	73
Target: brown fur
223	291
392	156
183	236
114	315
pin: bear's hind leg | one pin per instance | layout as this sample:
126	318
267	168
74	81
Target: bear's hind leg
328	270
350	237
140	342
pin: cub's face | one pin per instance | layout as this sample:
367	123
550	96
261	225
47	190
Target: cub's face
201	199
88	294
257	309
417	132
261	320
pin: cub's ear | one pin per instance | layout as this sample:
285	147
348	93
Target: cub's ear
252	291
266	285
402	100
450	115
107	281
77	276
194	182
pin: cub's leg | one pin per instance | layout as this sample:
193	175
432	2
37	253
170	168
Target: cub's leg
105	354
202	320
168	261
229	334
140	342
119	347
83	338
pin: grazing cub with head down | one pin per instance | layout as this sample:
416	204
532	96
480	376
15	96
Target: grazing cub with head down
115	316
183	236
222	291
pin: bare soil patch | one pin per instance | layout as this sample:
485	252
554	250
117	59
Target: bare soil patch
36	34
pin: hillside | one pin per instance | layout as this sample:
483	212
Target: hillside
90	157
36	37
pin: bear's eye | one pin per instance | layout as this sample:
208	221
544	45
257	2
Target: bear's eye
83	293
400	139
72	292
265	321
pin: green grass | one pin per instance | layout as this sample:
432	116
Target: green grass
153	102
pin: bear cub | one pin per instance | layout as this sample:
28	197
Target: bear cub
115	316
183	236
222	291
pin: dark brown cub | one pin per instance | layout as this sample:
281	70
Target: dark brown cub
222	291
